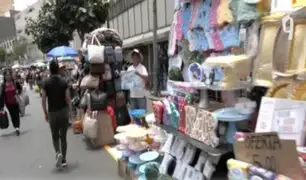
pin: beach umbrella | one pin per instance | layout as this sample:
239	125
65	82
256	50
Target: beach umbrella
62	51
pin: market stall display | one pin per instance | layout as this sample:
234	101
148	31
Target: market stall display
225	56
213	49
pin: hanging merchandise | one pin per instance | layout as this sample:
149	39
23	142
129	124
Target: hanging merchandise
224	14
244	12
219	50
252	40
263	63
289	56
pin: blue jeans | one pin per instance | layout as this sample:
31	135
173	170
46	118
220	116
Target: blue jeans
138	103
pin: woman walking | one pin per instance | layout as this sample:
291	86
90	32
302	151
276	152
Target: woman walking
10	89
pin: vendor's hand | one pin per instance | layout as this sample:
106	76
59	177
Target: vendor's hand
137	73
46	118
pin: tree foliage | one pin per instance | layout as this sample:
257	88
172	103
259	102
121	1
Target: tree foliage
83	16
47	31
56	23
2	55
20	48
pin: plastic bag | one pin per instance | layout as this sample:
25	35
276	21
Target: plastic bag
90	125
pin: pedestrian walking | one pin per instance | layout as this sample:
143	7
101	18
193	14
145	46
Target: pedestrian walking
137	94
10	89
55	92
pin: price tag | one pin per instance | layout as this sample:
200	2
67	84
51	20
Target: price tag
267	151
288	26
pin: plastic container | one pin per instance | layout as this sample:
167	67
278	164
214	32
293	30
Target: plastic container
136	114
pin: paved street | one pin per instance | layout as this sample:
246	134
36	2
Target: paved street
31	155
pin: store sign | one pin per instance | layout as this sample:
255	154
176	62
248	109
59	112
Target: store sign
268	151
284	116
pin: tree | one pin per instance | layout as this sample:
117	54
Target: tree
2	55
20	48
83	16
47	31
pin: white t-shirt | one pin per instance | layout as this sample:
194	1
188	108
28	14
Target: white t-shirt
138	92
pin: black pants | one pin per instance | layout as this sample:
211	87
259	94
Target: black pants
59	124
14	113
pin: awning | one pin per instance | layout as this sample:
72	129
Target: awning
146	38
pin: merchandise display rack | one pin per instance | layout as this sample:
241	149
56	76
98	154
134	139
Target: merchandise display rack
220	150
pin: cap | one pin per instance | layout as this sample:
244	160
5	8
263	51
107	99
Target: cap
136	51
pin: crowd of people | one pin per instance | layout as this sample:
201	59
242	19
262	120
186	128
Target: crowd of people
61	93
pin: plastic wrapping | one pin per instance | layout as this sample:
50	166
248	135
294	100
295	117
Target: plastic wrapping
289	54
262	68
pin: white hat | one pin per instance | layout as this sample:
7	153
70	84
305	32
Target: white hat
137	52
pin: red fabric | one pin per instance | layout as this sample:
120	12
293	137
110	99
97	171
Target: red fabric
10	92
110	111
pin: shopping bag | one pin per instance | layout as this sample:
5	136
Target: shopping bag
26	99
21	102
77	127
90	125
96	54
4	122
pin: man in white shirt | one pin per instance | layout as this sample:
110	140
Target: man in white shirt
137	94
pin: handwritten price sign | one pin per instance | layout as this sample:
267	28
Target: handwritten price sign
267	151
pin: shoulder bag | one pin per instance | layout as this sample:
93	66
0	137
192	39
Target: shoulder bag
97	100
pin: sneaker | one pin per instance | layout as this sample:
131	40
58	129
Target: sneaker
64	163
17	132
59	159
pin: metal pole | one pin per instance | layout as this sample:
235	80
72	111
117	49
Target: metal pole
155	55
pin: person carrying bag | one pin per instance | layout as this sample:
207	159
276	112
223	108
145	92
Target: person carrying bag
9	92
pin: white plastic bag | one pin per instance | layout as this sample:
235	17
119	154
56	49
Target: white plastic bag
21	103
96	54
25	98
90	125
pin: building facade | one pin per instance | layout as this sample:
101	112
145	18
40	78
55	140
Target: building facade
6	6
134	21
7	31
33	53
